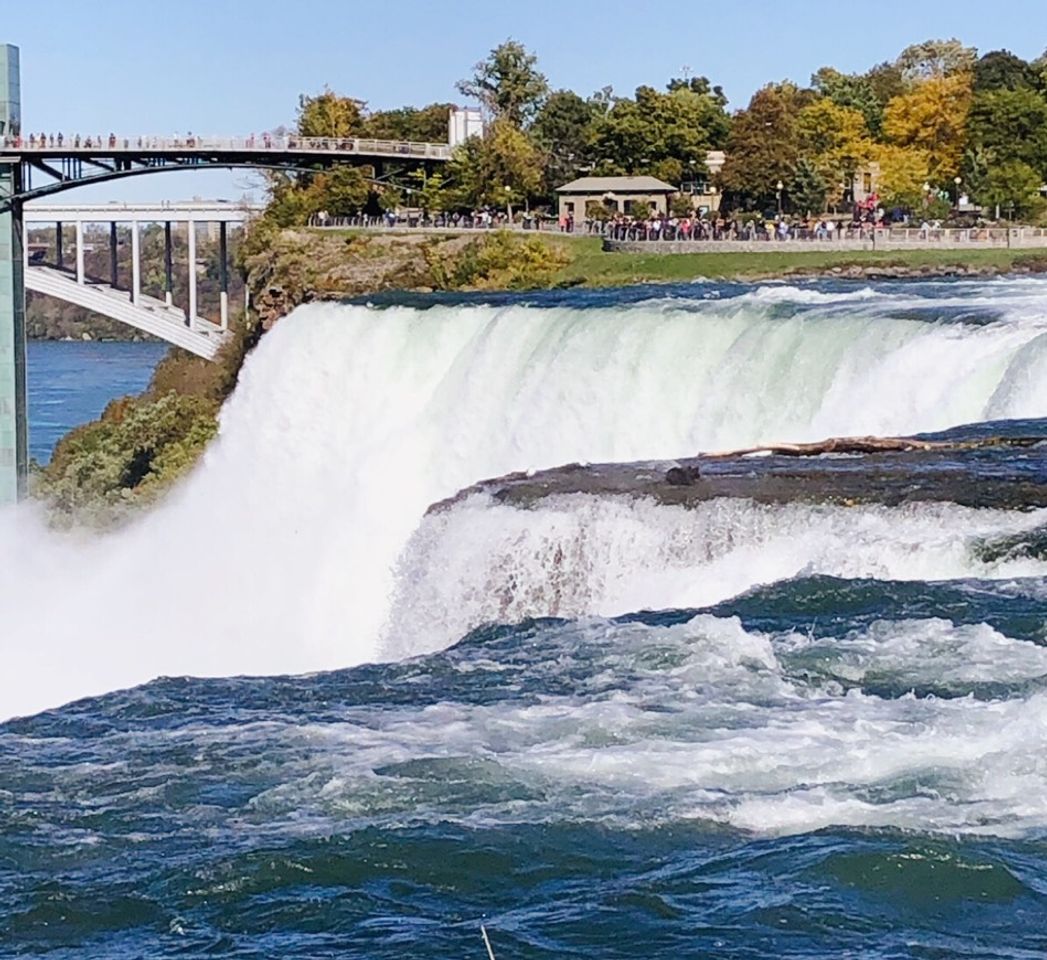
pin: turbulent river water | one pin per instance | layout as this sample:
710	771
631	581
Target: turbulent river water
826	740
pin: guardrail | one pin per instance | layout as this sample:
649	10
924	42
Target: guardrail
62	144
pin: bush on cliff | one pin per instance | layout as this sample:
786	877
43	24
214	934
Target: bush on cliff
125	458
496	261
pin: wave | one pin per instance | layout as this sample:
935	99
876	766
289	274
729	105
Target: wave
277	555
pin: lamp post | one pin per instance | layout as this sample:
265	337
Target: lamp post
509	203
958	181
779	187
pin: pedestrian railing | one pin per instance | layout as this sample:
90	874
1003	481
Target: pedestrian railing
63	144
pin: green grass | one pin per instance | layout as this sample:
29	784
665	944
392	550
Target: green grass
593	267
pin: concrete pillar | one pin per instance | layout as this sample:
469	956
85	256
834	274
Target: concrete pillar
14	433
223	270
79	251
136	263
59	246
191	235
114	275
168	266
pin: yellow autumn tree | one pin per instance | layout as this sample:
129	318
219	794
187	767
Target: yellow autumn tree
932	117
902	173
835	140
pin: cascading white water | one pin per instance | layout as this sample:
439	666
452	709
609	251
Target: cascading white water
277	555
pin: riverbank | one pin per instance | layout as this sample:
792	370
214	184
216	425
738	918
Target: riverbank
591	266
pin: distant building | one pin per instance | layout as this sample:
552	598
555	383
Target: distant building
632	196
642	196
463	123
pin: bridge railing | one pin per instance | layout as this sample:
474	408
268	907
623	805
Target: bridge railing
60	143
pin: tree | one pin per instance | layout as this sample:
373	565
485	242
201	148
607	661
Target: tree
666	135
935	59
903	172
508	83
836	142
563	128
853	91
483	167
808	190
329	115
1002	70
1011	124
763	147
421	125
1012	187
933	117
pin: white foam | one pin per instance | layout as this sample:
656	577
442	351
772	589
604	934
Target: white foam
277	554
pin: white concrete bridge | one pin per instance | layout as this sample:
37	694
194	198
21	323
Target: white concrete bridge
182	325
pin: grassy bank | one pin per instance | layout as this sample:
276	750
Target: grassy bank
592	267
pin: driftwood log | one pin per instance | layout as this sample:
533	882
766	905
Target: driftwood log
872	445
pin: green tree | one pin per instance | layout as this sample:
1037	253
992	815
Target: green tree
1011	125
483	167
1012	187
1002	70
563	128
763	147
508	83
663	134
329	115
808	190
852	91
421	125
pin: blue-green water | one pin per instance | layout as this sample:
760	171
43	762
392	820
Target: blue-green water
70	382
605	728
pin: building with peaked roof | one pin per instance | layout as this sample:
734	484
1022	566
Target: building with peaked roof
633	196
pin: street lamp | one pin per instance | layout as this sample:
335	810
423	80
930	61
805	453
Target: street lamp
779	187
958	181
508	203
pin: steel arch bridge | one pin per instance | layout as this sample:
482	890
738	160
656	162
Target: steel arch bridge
47	164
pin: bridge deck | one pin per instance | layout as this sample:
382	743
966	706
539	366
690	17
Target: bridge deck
252	147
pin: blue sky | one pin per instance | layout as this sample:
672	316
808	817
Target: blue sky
224	67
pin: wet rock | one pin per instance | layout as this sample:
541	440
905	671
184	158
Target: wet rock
682	476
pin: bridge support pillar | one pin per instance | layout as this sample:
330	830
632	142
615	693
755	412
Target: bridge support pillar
113	262
14	432
59	246
136	263
223	270
79	251
191	235
168	266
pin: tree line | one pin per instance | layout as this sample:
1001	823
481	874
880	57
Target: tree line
937	122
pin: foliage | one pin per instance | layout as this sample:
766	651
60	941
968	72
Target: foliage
137	448
681	206
508	83
1011	124
808	191
932	118
1002	70
329	115
484	167
763	147
935	59
853	92
562	129
497	261
666	135
903	173
417	124
835	142
1014	187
